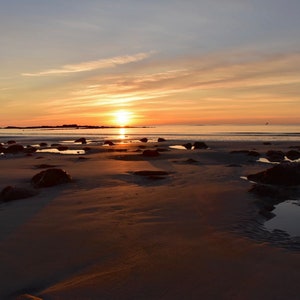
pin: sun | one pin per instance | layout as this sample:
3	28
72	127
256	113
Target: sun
122	117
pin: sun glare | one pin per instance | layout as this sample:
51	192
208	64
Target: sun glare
122	117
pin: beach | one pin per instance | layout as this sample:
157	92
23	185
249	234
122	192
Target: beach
192	231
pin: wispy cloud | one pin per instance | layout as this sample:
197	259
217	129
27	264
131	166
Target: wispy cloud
93	65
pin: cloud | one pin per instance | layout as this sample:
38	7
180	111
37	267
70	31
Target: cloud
93	65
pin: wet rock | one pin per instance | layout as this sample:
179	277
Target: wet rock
14	148
43	144
275	156
50	177
81	140
293	154
286	174
161	140
150	153
188	146
200	145
144	140
11	193
30	149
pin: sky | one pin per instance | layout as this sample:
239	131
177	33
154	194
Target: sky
141	62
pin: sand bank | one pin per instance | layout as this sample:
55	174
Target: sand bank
112	233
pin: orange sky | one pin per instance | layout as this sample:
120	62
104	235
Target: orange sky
74	67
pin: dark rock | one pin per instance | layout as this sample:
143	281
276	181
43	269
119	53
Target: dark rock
11	193
50	178
150	153
142	146
144	140
253	153
109	143
188	146
293	154
161	140
191	161
30	149
11	142
43	144
267	143
275	156
200	145
62	148
55	145
287	174
81	140
162	150
14	148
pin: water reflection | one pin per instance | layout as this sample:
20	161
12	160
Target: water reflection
122	133
54	150
287	218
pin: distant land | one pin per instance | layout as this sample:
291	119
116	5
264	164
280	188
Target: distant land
68	126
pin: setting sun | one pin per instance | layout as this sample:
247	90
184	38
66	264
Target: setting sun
122	117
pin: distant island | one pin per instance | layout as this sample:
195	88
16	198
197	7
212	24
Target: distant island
70	126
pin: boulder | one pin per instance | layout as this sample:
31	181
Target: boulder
293	154
144	140
11	142
285	174
253	153
43	144
11	193
81	140
200	145
50	177
14	148
275	156
150	153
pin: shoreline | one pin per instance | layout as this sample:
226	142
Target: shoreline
112	233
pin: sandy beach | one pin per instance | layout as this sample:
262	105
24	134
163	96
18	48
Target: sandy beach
114	233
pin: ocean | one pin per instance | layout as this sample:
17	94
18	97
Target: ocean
171	132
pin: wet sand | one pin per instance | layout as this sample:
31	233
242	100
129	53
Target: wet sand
192	233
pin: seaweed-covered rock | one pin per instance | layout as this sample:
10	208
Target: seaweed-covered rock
11	193
285	174
200	145
50	177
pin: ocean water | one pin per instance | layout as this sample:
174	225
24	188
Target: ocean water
174	132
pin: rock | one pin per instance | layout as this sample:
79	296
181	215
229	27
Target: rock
44	166
162	150
188	146
81	140
43	144
109	143
150	153
30	149
11	193
161	140
144	140
286	174
200	145
293	154
11	142
253	153
267	143
275	156
14	148
50	177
